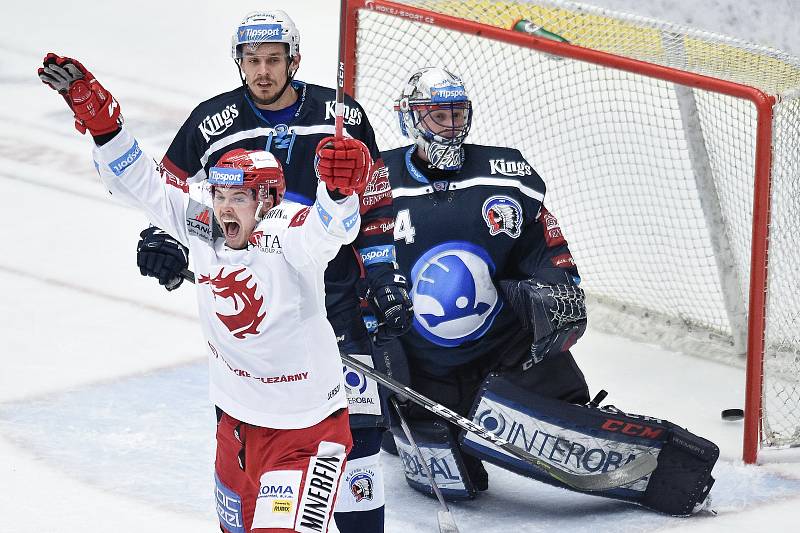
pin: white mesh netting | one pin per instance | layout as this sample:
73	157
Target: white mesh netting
652	181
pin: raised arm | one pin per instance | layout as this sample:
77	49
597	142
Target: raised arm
128	173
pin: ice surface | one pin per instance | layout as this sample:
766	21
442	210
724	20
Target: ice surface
105	423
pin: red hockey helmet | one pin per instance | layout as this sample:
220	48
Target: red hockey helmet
250	169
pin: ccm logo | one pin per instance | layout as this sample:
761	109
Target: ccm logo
628	428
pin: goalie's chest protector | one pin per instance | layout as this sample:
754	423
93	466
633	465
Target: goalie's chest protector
454	238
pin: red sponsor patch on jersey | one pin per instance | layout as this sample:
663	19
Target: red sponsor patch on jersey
173	175
255	238
379	226
552	230
378	191
300	217
563	261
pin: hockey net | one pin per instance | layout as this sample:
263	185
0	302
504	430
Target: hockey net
670	181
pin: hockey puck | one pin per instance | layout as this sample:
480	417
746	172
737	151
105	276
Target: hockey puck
732	414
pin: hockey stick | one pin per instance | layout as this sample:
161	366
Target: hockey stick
628	473
447	523
636	469
188	275
339	109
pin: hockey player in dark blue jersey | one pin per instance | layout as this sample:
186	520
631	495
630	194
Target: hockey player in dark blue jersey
273	111
497	306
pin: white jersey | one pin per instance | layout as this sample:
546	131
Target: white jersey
273	356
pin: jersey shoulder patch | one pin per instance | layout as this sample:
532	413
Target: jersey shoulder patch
300	217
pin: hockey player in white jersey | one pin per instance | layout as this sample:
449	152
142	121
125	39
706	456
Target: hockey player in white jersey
270	108
283	432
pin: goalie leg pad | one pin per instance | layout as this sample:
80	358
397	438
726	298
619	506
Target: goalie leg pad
586	440
438	447
683	478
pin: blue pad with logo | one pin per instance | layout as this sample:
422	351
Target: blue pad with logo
587	440
229	508
439	449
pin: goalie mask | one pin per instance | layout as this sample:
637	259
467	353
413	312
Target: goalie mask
250	169
260	27
435	111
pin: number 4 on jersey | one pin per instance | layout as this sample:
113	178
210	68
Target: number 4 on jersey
402	227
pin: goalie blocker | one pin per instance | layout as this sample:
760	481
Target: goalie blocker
587	439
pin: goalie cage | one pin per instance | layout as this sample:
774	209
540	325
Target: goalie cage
673	153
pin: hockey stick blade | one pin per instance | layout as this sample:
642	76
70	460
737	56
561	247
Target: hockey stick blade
623	475
447	523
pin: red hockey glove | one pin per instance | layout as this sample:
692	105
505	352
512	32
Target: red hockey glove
94	107
343	164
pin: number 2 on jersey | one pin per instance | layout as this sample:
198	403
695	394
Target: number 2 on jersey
402	227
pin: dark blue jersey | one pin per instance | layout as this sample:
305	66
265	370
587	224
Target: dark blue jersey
231	120
457	233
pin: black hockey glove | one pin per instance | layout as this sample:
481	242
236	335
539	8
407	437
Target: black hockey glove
554	313
387	295
160	256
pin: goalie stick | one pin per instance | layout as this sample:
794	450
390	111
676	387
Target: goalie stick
636	469
628	473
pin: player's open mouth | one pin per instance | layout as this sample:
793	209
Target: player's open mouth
230	228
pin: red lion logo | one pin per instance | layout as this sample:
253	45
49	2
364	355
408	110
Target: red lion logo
244	297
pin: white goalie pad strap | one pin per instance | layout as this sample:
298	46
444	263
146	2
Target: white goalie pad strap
361	488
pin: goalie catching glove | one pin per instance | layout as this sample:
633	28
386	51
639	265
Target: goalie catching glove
343	164
554	313
94	107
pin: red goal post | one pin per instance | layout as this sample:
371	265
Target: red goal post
707	101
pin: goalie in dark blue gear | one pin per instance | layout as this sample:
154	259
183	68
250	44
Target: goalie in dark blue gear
497	307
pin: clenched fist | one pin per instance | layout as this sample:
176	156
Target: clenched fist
343	164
